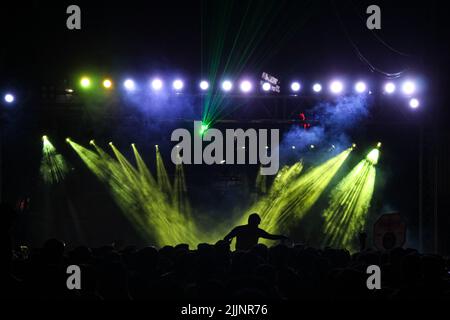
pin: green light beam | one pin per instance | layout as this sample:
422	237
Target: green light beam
180	198
161	174
292	195
140	199
349	204
53	167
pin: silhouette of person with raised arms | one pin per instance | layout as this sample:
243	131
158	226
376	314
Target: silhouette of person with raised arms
247	235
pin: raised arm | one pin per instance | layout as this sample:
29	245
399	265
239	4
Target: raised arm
266	235
231	235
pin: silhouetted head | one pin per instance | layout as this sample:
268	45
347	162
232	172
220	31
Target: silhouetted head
254	220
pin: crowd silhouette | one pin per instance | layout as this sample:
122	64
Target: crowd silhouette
213	272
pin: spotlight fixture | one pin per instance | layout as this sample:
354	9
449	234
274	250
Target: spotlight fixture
336	87
129	85
317	87
85	82
68	140
178	85
246	86
92	142
9	98
204	85
378	144
266	86
295	86
414	103
408	87
227	85
107	84
360	87
44	137
389	88
157	84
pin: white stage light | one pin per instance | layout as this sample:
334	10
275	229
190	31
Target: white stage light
9	98
157	84
227	85
295	86
178	85
317	87
204	85
408	87
414	103
266	86
389	88
336	87
129	84
360	87
246	86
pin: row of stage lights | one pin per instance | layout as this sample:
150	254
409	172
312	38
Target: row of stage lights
336	87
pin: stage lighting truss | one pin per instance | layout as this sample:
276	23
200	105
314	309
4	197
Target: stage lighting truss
409	89
335	87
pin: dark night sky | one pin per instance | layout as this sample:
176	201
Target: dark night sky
146	37
167	35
